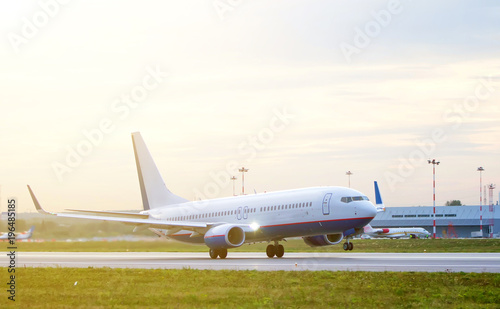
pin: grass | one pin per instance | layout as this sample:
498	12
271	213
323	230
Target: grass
186	288
292	245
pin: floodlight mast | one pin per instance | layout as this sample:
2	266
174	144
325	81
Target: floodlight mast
434	163
480	170
233	179
349	173
491	187
243	170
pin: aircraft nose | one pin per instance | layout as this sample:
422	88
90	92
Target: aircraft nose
368	210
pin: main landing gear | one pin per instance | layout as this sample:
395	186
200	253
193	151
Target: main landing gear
275	250
214	253
348	245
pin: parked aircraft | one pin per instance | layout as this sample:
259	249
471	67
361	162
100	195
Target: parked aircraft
20	236
321	216
412	232
416	232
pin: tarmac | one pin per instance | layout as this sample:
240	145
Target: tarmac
350	261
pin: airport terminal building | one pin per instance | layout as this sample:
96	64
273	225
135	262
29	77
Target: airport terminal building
451	221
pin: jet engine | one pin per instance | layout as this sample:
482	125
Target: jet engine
224	236
323	240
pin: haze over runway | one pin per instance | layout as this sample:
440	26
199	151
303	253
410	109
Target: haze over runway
298	92
426	262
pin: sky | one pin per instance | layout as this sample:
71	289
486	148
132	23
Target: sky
298	92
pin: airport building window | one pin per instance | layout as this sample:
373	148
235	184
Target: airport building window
450	215
439	215
410	216
397	216
423	216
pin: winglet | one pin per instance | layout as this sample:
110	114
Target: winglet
37	204
378	199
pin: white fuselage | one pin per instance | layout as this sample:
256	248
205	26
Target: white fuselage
275	215
401	232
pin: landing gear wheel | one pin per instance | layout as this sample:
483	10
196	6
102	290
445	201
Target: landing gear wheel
346	246
270	251
280	251
222	253
213	253
351	246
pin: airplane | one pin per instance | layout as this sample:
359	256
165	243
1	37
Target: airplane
322	216
412	232
19	236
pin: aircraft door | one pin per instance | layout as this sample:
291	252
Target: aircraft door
238	213
245	212
326	204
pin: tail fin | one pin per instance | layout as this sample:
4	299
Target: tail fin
153	190
367	229
378	199
30	232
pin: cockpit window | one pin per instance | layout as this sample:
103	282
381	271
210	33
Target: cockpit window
348	199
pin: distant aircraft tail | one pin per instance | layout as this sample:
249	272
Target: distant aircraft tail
26	235
30	232
367	229
153	189
378	199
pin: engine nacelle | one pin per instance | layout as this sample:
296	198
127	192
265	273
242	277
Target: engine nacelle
224	236
323	240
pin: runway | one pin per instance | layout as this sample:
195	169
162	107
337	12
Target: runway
417	262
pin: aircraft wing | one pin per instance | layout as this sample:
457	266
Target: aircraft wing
142	221
114	213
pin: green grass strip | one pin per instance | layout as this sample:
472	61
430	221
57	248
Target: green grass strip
187	288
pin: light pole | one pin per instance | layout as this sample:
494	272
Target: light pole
233	179
243	171
349	173
480	170
434	163
491	187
